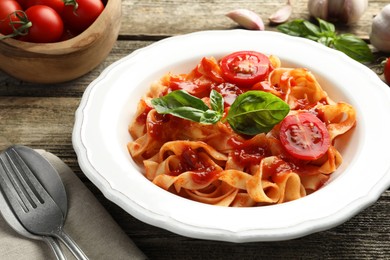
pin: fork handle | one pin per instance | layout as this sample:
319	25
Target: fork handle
70	244
55	247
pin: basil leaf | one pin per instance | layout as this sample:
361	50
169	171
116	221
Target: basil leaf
325	33
256	112
294	28
300	28
216	101
326	26
177	99
327	41
354	47
210	117
312	29
181	104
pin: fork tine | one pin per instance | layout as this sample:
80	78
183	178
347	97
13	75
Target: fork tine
33	188
14	195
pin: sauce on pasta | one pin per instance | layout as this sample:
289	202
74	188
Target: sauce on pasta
213	164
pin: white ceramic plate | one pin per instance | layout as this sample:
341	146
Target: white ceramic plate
108	105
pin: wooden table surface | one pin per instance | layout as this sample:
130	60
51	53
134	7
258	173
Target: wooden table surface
42	116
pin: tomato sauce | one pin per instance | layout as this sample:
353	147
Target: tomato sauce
229	92
247	153
277	170
141	118
201	177
156	126
202	171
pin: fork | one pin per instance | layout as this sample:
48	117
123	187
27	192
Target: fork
31	203
12	220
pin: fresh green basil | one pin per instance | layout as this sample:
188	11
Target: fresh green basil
216	101
251	113
181	104
354	47
325	33
256	112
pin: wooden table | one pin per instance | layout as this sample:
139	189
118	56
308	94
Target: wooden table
42	117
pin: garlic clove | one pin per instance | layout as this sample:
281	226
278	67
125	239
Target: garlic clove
281	15
247	19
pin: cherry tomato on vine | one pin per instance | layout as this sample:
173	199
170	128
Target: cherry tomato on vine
7	16
245	68
304	136
23	3
57	5
47	25
387	71
84	15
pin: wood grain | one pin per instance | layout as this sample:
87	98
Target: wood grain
42	116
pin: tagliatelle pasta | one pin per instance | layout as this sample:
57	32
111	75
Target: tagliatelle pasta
212	163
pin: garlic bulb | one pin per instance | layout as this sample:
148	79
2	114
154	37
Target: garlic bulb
345	11
380	30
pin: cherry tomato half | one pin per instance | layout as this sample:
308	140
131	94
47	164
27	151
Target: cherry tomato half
245	68
47	25
304	136
7	16
387	71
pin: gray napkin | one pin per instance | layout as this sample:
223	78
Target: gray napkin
87	222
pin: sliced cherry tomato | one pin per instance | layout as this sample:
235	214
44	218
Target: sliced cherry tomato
387	71
57	5
304	136
47	25
245	68
7	16
80	15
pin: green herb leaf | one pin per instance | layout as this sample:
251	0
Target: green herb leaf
301	28
354	47
216	101
325	33
326	26
181	104
251	113
256	112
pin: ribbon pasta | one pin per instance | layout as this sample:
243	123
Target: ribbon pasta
212	164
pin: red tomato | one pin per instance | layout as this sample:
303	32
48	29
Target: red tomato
7	16
47	25
23	3
245	68
84	15
387	71
57	5
304	136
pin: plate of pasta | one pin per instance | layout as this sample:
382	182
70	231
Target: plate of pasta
236	135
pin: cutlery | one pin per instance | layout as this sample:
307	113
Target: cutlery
36	210
12	220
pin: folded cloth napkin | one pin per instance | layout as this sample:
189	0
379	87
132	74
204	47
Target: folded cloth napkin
87	222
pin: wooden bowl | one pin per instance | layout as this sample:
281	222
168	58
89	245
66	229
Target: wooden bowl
66	60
